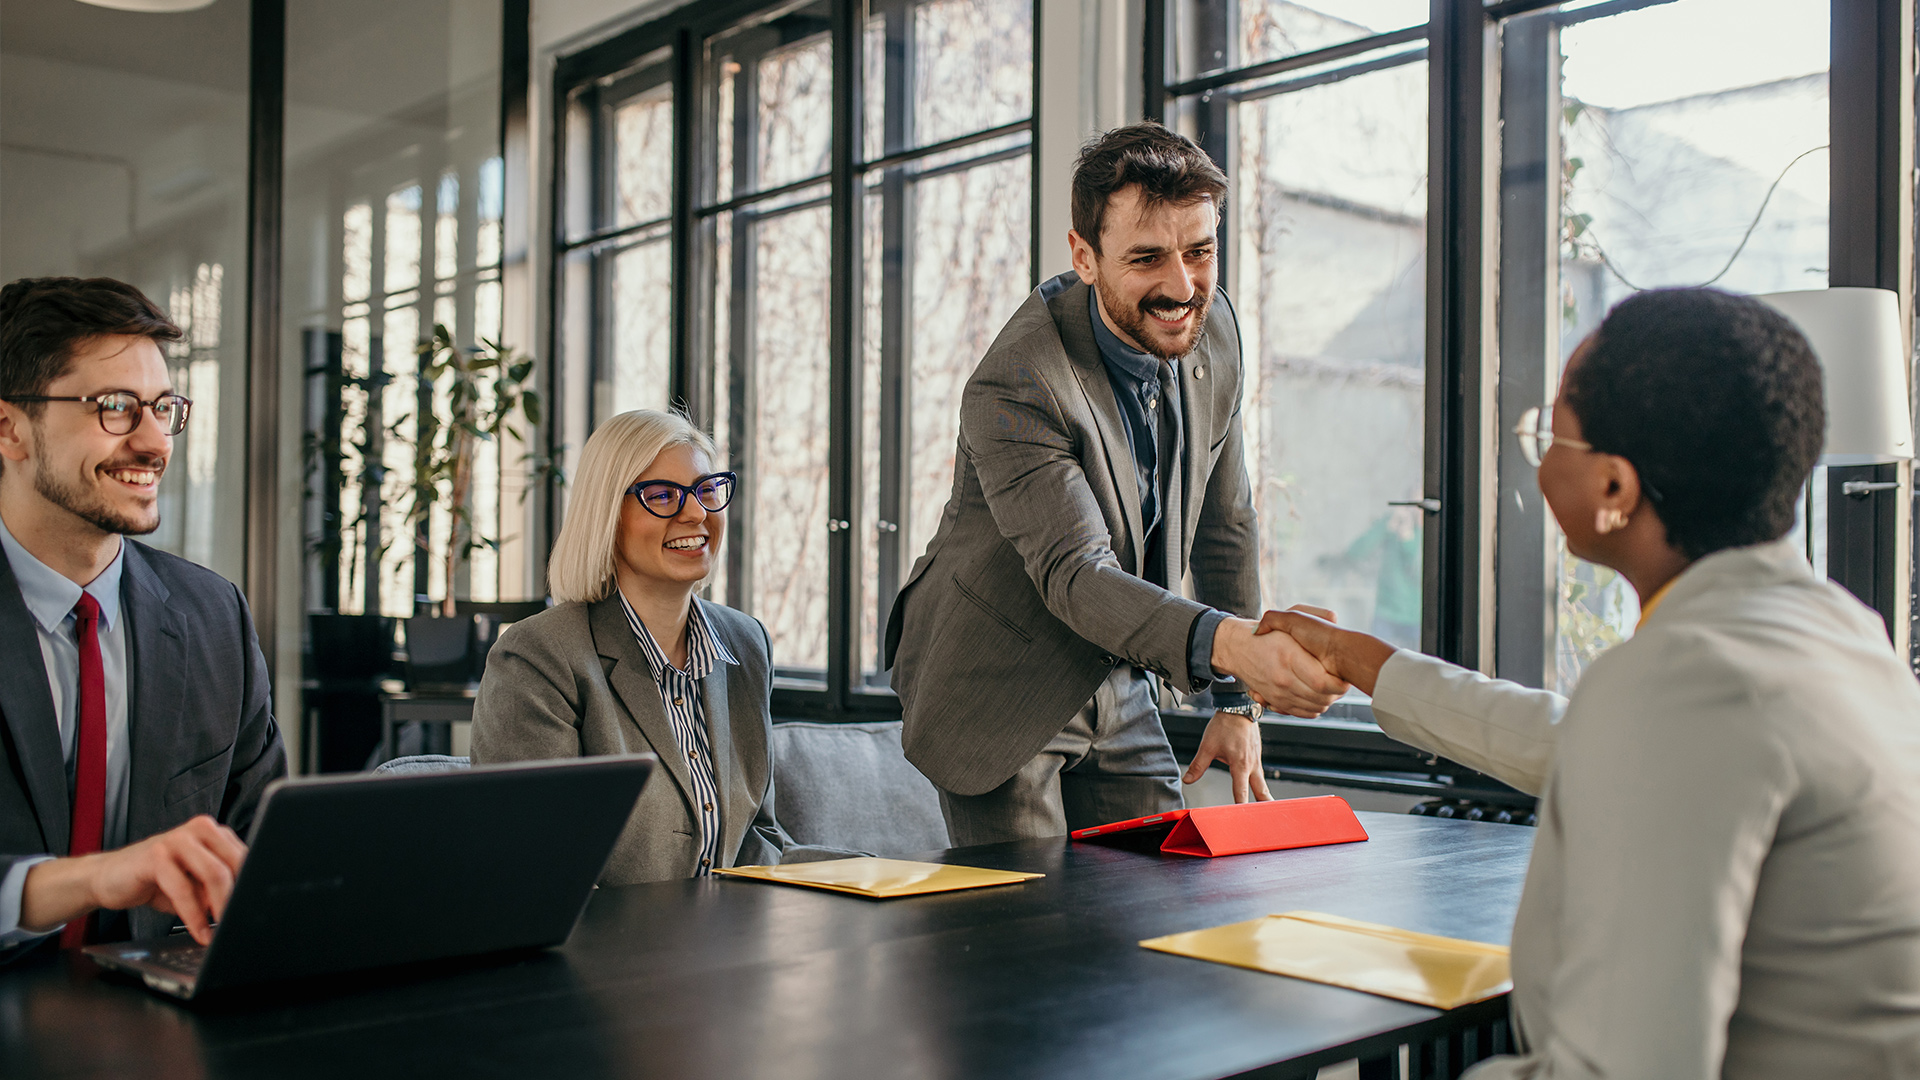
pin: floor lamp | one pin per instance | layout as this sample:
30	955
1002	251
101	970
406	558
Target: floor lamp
1862	347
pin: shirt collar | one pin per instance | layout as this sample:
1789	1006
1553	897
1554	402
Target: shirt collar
704	649
50	595
1136	365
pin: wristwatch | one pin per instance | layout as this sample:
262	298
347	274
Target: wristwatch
1250	710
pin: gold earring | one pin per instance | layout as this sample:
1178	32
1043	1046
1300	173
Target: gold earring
1606	521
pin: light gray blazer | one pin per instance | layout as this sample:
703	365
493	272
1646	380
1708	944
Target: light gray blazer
1726	877
572	681
1031	589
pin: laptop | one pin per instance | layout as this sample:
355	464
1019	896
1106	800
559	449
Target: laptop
345	873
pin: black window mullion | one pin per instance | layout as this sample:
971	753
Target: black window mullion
1456	616
895	316
843	350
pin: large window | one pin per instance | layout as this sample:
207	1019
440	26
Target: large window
1643	162
1326	254
810	272
394	207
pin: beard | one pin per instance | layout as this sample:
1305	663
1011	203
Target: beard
1138	324
91	505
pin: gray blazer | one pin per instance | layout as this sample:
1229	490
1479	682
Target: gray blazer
199	716
1030	591
573	682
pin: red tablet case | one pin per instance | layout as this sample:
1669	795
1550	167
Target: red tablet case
1243	828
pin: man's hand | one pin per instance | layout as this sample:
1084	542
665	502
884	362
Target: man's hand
187	871
1274	669
1347	654
1234	741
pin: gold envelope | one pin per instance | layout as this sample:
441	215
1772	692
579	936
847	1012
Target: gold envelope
880	879
1427	970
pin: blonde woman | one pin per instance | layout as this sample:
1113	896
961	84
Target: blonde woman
629	659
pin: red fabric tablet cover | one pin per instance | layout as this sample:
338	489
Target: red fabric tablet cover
1210	831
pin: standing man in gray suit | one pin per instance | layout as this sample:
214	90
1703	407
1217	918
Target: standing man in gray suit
1099	464
136	726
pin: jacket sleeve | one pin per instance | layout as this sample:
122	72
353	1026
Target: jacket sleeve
1667	798
1033	479
1501	728
259	755
524	710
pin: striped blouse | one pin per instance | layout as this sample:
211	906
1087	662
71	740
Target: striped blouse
687	714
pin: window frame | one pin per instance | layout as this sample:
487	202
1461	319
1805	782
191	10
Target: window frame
684	34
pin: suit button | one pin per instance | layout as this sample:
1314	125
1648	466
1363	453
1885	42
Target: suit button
708	808
1108	660
706	862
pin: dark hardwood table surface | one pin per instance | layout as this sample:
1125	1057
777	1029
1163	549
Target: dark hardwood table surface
719	978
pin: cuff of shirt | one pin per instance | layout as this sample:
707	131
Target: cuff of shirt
1226	691
13	890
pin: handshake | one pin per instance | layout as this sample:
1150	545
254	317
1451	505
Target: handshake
1297	661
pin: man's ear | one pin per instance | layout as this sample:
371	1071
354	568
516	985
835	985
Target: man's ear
14	433
1086	261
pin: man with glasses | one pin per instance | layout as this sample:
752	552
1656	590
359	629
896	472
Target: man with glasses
136	726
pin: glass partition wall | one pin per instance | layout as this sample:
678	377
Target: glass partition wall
125	155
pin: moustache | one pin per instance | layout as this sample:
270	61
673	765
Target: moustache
1165	303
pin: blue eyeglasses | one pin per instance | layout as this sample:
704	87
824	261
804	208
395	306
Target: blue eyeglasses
665	499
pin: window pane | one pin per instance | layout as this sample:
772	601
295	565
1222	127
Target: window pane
966	237
642	332
1206	38
643	156
774	91
1329	264
1702	163
973	66
780	426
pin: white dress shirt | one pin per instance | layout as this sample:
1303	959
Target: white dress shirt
1726	876
50	597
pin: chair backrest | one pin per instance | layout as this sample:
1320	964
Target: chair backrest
850	786
423	763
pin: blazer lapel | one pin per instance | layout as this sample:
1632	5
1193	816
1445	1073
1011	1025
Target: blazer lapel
1197	379
156	655
1083	353
26	702
726	772
631	680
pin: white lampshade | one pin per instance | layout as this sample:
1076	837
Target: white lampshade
150	6
1856	335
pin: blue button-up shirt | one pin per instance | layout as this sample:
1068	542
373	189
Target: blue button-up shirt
50	597
1135	377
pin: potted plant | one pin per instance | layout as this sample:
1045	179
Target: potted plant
487	393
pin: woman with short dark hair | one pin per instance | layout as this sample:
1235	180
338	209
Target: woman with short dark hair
1726	879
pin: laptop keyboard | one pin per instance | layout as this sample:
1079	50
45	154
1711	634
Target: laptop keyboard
186	961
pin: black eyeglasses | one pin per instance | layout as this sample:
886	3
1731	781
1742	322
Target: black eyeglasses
665	499
121	411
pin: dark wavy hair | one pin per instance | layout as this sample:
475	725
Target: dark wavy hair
1716	399
44	320
1168	166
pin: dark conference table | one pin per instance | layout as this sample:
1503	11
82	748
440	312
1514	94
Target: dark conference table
719	978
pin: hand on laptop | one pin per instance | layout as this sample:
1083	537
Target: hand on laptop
187	871
1347	654
1274	669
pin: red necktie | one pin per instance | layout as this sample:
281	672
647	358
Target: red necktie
90	755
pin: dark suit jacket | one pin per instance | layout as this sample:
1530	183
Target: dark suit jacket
1031	589
199	717
572	681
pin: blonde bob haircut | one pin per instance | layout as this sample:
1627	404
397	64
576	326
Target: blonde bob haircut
617	452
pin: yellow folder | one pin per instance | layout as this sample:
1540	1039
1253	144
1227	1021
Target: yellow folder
880	879
1427	970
